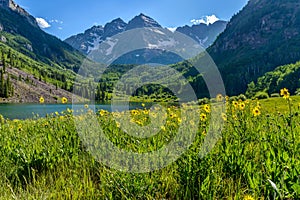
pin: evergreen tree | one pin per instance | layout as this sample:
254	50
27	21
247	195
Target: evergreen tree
3	62
1	83
7	87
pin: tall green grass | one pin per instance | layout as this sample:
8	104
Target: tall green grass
257	157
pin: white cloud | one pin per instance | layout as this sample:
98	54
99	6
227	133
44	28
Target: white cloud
210	19
60	28
56	21
43	23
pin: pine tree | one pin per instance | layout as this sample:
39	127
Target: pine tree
3	61
7	87
1	83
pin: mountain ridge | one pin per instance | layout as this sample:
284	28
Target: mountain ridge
86	42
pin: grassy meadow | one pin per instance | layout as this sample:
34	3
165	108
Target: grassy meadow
257	156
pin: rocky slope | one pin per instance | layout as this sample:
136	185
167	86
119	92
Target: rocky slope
28	89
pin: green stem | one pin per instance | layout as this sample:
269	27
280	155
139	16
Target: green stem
290	118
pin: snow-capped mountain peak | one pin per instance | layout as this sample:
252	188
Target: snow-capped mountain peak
91	38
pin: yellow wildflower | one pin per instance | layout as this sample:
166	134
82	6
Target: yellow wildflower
134	112
20	127
173	115
203	117
86	106
146	112
258	105
42	100
248	197
102	112
139	122
226	98
242	105
235	104
219	97
179	120
256	111
207	108
285	93
163	128
64	100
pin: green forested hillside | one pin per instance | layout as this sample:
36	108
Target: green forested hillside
286	76
262	36
19	33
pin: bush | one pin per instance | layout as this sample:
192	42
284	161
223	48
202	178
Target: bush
261	95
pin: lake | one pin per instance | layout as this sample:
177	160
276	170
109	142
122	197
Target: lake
27	111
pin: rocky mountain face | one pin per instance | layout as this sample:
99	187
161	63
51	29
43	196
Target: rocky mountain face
91	38
86	41
19	30
142	21
262	36
10	5
202	33
114	27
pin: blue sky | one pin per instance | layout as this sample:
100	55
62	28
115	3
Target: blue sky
69	17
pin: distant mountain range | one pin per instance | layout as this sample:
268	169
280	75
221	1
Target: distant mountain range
91	38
